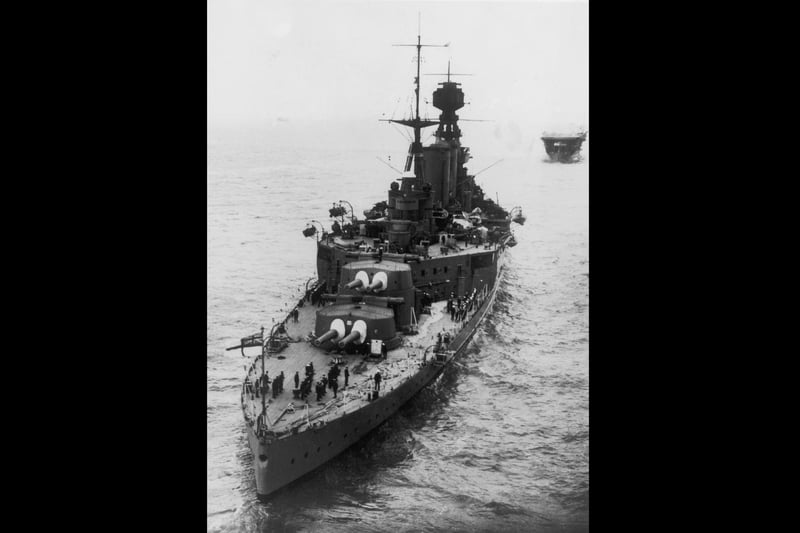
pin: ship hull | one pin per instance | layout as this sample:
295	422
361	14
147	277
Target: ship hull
563	157
563	149
283	460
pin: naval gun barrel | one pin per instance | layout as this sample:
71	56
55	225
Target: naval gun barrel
355	284
376	284
331	334
353	336
367	299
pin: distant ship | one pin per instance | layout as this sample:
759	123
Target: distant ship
563	148
397	297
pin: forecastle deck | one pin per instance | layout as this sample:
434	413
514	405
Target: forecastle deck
286	414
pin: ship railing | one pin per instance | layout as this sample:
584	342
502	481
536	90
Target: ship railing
274	343
308	417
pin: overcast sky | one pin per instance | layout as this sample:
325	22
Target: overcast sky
299	60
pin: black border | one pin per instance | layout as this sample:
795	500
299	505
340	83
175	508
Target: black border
117	300
124	269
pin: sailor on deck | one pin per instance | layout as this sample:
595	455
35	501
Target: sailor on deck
264	383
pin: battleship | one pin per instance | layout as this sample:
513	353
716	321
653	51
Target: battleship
397	297
563	148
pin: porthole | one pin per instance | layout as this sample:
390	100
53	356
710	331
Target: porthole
434	271
422	272
292	460
345	435
445	269
305	455
317	449
330	442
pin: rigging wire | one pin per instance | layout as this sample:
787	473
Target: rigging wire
404	133
487	168
388	165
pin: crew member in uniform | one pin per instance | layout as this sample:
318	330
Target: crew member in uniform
264	383
377	380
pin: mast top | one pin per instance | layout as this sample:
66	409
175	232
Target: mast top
419	46
448	74
415	153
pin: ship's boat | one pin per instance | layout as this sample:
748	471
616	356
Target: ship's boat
516	215
397	297
564	148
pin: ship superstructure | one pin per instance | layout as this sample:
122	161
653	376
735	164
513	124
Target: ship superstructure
397	297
